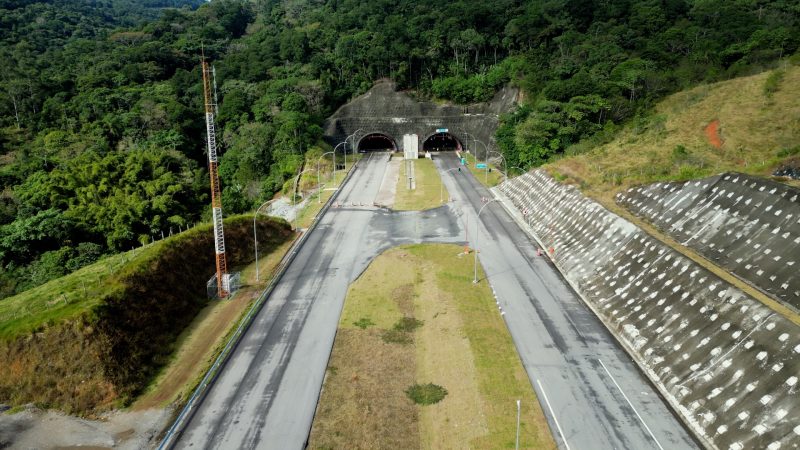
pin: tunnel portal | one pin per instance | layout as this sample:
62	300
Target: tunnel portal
374	142
441	142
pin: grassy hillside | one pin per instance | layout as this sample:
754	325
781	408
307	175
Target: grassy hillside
93	339
759	128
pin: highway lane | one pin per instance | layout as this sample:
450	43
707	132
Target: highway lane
591	391
267	392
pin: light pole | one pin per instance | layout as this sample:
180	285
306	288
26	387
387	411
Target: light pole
319	182
294	193
485	149
517	446
468	135
334	158
477	235
441	184
486	176
255	235
351	145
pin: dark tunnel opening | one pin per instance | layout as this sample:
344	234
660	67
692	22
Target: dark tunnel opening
374	142
441	142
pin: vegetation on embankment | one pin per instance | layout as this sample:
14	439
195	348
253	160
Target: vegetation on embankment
427	327
94	339
490	176
758	125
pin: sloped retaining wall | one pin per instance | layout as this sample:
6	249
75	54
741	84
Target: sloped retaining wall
748	225
728	364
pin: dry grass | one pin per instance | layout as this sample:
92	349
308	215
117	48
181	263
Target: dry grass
429	192
122	330
200	343
329	181
753	128
462	345
363	403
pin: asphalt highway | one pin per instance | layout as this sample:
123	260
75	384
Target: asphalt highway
592	393
266	394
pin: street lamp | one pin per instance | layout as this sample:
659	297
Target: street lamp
255	235
351	145
319	182
441	184
464	132
477	235
486	176
334	158
518	408
485	149
294	193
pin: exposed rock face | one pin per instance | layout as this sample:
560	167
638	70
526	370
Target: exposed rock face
727	363
385	110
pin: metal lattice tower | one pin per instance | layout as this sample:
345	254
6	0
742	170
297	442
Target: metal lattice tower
216	197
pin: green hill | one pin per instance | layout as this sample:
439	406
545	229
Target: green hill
93	339
758	127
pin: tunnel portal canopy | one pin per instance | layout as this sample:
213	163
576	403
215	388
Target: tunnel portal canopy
441	142
374	142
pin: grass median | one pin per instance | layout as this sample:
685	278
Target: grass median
428	192
423	359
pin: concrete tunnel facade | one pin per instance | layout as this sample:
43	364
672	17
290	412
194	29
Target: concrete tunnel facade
433	142
383	113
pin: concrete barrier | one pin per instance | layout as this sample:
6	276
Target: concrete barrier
727	364
748	225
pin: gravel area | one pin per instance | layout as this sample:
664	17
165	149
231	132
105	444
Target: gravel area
33	428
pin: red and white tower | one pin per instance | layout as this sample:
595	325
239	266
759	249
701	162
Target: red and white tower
223	288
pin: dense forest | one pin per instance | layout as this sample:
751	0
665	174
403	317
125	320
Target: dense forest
101	126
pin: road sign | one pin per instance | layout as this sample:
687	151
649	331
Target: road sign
442	130
480	166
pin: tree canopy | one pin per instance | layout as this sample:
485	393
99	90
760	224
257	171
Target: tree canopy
101	126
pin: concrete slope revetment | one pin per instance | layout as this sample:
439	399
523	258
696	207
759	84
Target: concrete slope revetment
750	226
726	363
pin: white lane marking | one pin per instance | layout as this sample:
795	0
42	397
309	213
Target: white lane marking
631	405
553	414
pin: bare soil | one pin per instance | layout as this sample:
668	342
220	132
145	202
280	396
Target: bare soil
33	428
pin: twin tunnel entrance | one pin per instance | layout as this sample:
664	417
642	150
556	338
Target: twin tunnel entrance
436	142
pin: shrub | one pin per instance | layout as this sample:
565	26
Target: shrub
396	337
364	323
426	394
773	82
407	324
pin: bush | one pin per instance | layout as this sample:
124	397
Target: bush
396	337
773	82
426	394
407	324
364	323
789	151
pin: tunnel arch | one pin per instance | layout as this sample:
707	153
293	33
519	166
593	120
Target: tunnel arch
441	141
376	141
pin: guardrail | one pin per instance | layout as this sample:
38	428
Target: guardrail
174	431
